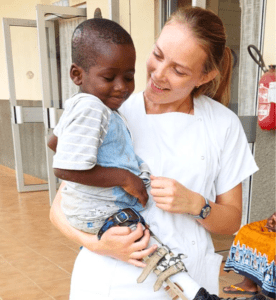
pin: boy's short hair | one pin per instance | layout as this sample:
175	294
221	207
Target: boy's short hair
91	36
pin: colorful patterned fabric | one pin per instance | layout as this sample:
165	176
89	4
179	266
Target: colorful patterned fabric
252	254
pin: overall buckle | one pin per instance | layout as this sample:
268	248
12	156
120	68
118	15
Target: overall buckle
123	217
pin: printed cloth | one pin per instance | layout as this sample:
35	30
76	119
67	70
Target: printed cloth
252	254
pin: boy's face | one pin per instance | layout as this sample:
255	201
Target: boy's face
112	78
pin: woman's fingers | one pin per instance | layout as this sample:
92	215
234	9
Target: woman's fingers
139	255
162	200
141	243
132	246
137	263
163	187
160	182
137	233
119	230
141	251
167	207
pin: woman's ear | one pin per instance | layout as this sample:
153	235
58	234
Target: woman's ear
76	74
209	76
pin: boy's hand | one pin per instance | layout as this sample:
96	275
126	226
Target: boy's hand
134	185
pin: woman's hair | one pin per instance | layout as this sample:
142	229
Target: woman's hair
209	30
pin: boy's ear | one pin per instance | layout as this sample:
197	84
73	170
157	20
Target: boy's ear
76	74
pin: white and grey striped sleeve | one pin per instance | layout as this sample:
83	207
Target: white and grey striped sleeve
81	136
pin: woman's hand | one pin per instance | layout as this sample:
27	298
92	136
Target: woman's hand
125	245
173	197
225	216
117	242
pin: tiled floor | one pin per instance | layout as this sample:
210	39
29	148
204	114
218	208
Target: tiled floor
36	261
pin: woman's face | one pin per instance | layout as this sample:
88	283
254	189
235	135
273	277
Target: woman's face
175	66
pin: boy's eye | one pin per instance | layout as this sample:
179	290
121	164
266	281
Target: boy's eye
109	79
129	78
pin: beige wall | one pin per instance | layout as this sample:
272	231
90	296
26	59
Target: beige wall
269	53
26	87
137	17
142	32
93	4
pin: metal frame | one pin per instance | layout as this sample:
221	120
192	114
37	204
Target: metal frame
50	112
46	14
19	114
114	11
199	3
166	8
261	46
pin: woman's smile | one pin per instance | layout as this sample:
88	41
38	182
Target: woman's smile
157	88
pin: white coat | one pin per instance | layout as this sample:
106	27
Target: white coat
209	154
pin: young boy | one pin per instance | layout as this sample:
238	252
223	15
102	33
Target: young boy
94	153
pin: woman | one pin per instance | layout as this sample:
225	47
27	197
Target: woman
253	256
196	149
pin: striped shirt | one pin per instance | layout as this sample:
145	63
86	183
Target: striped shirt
90	133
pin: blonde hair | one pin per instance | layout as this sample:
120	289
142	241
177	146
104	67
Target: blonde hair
209	30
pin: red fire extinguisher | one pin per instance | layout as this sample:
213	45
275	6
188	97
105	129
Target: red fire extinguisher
267	93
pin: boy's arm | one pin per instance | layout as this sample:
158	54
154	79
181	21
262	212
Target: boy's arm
52	143
103	177
107	177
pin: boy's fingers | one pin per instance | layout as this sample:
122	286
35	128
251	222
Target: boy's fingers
143	200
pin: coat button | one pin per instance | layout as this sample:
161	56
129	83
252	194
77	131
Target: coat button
193	242
202	157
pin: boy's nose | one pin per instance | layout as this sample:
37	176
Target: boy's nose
121	86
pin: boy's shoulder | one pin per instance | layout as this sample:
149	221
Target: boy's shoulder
84	101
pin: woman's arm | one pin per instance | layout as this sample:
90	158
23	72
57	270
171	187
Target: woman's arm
117	242
225	216
226	212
